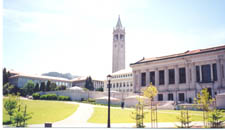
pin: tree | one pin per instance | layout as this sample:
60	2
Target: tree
5	76
48	86
89	84
42	87
10	89
36	88
216	118
20	116
10	105
150	92
62	87
184	118
205	101
139	114
29	88
53	86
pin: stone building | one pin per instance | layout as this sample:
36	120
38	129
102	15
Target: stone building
121	81
180	77
19	79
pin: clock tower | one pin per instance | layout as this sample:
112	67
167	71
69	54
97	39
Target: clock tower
118	58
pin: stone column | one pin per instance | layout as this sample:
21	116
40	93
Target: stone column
200	71
134	81
166	77
193	75
139	81
147	78
187	74
176	82
219	76
211	71
156	77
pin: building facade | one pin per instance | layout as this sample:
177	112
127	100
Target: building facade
121	81
180	77
118	59
20	80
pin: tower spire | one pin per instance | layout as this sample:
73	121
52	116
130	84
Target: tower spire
119	25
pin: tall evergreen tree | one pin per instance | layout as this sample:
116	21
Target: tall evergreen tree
36	88
89	84
42	87
48	86
53	86
29	88
5	76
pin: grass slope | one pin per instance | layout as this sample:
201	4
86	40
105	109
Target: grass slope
45	111
124	115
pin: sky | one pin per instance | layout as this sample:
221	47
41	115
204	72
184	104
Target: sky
75	36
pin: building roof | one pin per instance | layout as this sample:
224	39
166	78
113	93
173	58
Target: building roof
124	71
76	88
83	78
187	53
40	77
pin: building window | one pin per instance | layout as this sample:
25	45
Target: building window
197	74
160	97
116	37
152	77
143	79
124	85
161	77
214	72
181	97
171	76
120	84
182	75
170	97
206	73
117	85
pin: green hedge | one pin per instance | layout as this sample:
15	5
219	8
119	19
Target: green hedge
53	97
63	98
36	95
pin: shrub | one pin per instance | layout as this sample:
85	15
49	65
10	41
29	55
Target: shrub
43	97
36	95
63	98
91	100
51	96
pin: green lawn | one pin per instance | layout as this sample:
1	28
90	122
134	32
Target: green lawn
124	115
45	111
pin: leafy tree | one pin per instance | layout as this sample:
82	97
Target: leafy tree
216	118
89	84
205	101
20	116
42	87
184	118
10	105
62	87
48	86
5	76
139	114
29	88
36	88
150	92
53	86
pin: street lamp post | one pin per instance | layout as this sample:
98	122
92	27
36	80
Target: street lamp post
109	85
